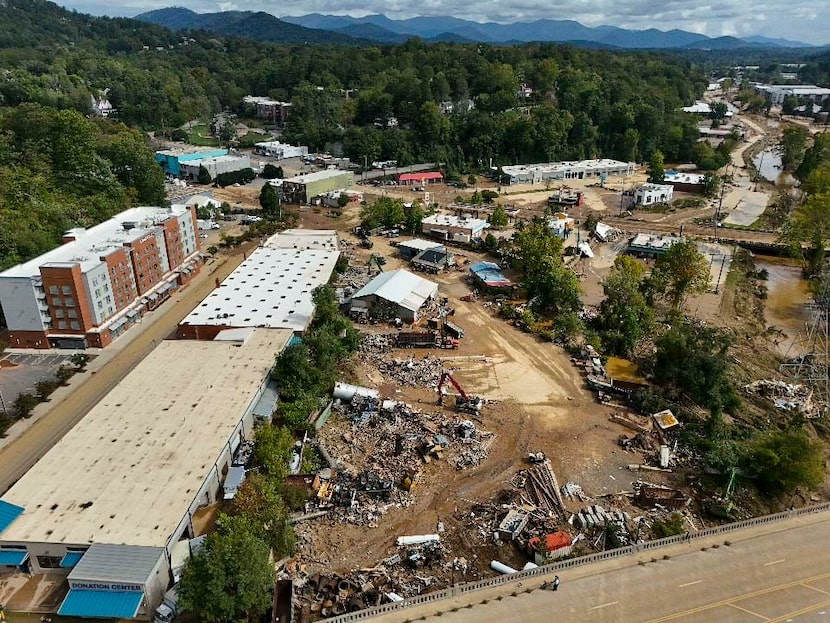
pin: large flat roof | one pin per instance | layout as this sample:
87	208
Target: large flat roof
271	289
92	244
128	471
304	239
316	176
566	165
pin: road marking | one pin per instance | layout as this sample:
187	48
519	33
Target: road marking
808	609
815	589
723	602
611	603
774	562
690	583
760	616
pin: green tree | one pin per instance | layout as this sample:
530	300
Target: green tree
272	451
680	272
23	406
204	176
230	578
272	172
269	201
498	218
383	212
815	157
624	315
259	500
711	185
782	461
414	216
656	168
793	146
693	360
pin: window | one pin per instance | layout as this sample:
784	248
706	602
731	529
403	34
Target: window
100	304
70	302
49	562
75	325
66	289
53	290
72	313
62	324
58	313
57	302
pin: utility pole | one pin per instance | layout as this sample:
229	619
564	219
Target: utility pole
622	196
720	203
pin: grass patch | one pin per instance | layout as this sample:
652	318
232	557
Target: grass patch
200	135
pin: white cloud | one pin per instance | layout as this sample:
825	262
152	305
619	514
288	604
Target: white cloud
802	20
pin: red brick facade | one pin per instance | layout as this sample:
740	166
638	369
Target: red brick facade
67	299
199	332
146	261
119	267
173	241
28	339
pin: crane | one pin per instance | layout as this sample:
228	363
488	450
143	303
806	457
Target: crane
463	402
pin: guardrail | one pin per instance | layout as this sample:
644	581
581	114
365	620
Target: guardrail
469	587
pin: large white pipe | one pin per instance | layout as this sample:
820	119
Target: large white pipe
346	392
418	539
530	565
495	565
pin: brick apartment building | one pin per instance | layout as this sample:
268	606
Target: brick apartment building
100	281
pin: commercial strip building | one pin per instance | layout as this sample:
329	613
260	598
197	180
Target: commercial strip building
303	188
649	194
101	280
777	93
278	150
685	182
420	177
406	292
271	289
455	228
567	170
171	160
214	165
111	506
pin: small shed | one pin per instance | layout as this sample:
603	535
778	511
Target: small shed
404	290
408	249
550	547
489	275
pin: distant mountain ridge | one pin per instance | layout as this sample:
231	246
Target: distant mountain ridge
319	28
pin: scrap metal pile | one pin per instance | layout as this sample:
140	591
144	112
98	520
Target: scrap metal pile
380	448
786	396
411	371
418	563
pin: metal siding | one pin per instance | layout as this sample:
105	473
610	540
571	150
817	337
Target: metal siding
13	558
128	564
101	604
8	513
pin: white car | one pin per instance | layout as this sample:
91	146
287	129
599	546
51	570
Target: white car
203	236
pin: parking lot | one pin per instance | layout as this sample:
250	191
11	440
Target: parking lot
20	372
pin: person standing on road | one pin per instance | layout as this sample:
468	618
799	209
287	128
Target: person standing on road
555	583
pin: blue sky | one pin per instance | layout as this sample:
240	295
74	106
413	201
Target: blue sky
800	20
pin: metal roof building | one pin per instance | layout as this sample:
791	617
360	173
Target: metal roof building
566	170
271	289
401	288
116	494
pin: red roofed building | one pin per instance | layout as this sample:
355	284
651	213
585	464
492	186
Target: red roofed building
421	177
554	546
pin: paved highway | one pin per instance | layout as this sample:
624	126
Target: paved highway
776	572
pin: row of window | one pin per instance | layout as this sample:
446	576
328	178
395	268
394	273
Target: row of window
73	324
62	290
63	302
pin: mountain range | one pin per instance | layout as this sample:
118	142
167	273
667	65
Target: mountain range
318	28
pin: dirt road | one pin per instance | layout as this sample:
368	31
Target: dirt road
19	455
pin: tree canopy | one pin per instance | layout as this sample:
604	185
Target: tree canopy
680	272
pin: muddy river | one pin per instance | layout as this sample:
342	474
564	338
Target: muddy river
787	294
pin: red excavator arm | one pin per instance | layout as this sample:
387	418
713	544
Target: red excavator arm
446	376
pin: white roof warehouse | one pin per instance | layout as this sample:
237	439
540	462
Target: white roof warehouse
114	496
271	289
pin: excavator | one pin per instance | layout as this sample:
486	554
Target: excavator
377	260
463	402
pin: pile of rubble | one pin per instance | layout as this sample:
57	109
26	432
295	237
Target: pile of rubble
353	278
786	396
380	448
374	350
419	563
541	488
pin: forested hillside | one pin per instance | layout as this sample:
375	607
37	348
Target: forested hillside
59	170
584	103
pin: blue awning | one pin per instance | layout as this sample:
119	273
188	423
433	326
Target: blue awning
13	557
101	604
71	559
8	513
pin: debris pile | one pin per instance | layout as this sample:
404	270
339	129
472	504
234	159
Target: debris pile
542	489
785	396
411	371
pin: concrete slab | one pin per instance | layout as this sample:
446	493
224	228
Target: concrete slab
749	206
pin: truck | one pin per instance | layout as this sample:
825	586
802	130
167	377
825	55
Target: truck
425	339
169	607
206	224
234	479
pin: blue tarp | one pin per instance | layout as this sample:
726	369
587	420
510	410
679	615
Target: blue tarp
101	604
490	275
8	513
71	559
13	558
